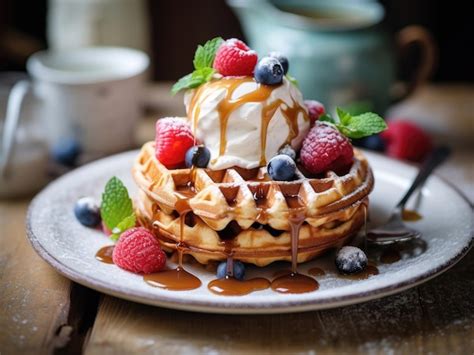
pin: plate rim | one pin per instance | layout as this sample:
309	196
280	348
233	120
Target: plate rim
227	308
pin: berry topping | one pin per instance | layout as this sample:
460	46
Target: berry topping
315	110
198	156
269	71
239	270
351	260
282	59
288	150
325	148
374	142
87	212
235	58
281	168
66	152
405	140
173	139
138	251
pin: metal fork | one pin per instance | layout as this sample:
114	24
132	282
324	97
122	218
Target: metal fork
394	230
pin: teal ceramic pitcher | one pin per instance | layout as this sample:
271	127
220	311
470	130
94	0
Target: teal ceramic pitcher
337	50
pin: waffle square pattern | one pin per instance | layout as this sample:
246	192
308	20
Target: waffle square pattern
244	213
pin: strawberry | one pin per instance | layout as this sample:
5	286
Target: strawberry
405	140
325	148
173	139
139	251
235	58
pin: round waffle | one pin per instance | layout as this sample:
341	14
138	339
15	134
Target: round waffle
245	213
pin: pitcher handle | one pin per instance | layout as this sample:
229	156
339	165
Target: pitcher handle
418	36
12	117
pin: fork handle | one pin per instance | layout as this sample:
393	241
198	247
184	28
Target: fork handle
438	156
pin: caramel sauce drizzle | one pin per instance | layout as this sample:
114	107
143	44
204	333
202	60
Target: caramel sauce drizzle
294	282
105	254
178	279
229	105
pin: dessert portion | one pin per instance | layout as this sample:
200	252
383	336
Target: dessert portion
253	174
244	175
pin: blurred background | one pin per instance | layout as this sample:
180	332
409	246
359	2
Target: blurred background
176	27
409	60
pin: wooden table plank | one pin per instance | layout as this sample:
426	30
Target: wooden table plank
437	317
34	299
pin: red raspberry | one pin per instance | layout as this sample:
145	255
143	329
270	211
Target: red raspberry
324	148
315	110
235	58
173	139
138	251
405	140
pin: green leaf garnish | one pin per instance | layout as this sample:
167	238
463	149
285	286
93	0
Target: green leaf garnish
327	118
292	80
204	56
127	223
358	126
203	71
116	208
186	82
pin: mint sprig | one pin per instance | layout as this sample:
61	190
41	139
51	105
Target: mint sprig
355	126
203	71
292	80
116	208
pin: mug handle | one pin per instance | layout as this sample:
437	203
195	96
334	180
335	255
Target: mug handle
12	117
416	36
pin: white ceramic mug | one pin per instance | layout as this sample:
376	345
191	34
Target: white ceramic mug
89	94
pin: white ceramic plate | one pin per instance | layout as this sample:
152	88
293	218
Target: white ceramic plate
70	248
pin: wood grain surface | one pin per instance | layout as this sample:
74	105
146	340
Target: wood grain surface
42	312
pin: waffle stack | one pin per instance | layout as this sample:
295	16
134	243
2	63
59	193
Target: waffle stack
245	213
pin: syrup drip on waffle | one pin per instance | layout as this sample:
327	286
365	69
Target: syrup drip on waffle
229	105
229	285
292	281
178	279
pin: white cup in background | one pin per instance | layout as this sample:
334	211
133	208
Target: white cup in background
89	95
92	94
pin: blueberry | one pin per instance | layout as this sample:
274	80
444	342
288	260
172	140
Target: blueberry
288	150
66	151
87	212
374	142
198	156
239	270
351	260
268	71
281	168
282	59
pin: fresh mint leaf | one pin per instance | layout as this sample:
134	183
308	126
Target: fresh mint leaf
359	126
204	56
126	223
203	74
116	204
186	82
344	117
365	125
292	80
327	118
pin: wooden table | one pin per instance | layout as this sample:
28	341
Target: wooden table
43	312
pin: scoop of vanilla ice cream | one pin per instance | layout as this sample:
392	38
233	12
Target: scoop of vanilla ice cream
243	132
